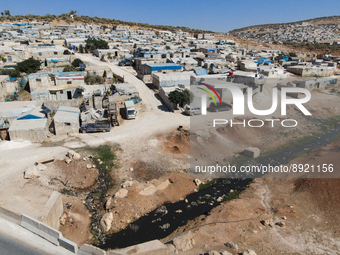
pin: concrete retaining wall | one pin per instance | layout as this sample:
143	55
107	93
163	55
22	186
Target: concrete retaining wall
55	205
89	249
14	217
44	229
48	233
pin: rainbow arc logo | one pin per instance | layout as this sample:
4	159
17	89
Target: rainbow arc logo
209	93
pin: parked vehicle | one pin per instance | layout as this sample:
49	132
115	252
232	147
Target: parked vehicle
188	110
130	110
125	62
112	114
98	126
219	108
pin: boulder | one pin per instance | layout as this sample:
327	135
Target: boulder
76	156
226	253
163	185
197	182
31	172
68	161
108	203
249	252
252	152
88	166
148	191
41	167
106	221
127	184
121	193
63	219
213	252
231	245
184	242
264	222
70	153
280	224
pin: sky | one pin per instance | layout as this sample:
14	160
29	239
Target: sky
217	16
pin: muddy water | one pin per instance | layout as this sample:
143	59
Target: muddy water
161	222
166	219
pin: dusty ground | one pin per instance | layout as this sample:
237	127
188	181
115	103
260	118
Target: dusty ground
75	221
310	218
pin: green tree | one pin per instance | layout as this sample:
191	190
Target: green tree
7	13
81	48
178	97
70	69
30	65
93	79
93	44
77	62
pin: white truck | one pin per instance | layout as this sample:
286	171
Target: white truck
130	110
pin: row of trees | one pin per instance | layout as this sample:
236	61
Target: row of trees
72	17
315	46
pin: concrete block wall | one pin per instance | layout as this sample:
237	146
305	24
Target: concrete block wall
55	205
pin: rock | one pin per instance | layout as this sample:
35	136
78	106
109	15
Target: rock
121	193
88	166
226	253
220	199
163	185
41	167
127	184
178	211
93	166
68	161
186	200
108	203
162	210
284	217
252	152
63	219
213	253
70	154
184	242
171	248
84	159
265	222
207	196
231	245
165	226
31	173
280	224
197	182
106	221
249	252
231	191
131	169
76	156
148	191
